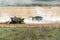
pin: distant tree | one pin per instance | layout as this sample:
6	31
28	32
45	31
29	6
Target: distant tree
4	3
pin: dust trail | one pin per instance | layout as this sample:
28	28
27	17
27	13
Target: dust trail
4	17
47	18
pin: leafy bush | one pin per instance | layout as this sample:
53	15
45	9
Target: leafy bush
37	18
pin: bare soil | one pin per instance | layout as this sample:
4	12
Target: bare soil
31	25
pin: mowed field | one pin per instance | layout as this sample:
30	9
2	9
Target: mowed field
26	12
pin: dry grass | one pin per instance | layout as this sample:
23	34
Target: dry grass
31	25
30	31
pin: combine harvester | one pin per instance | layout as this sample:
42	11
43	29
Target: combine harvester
6	19
39	18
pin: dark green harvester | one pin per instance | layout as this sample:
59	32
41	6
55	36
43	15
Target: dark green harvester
17	20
